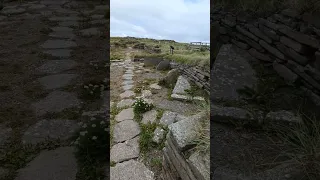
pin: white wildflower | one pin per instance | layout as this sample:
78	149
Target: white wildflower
94	137
93	125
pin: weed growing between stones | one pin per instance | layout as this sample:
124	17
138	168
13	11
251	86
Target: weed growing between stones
202	140
93	91
92	148
146	143
16	154
140	107
92	141
159	113
303	140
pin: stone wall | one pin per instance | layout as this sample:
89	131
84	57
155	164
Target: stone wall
177	165
288	40
197	75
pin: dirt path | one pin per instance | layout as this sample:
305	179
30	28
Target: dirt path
50	51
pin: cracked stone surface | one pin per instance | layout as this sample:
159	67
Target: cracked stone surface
126	114
131	170
55	102
57	80
50	128
51	165
125	102
125	151
58	44
57	66
125	130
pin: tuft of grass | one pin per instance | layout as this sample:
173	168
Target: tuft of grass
202	139
159	113
146	136
303	142
156	162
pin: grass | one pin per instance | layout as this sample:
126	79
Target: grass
146	143
92	144
16	155
202	140
258	6
303	142
116	54
183	53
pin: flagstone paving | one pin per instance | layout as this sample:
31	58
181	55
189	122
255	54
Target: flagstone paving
58	76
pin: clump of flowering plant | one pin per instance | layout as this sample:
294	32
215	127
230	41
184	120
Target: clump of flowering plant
141	106
93	140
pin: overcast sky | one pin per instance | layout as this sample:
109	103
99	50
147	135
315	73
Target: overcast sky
179	20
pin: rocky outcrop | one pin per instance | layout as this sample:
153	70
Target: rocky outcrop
176	164
195	74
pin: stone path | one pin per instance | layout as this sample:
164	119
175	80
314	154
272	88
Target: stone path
125	152
126	134
64	19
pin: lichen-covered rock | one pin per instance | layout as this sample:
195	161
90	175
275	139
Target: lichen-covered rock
170	78
158	135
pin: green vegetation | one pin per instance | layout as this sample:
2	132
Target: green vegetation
145	141
182	53
140	107
92	145
303	145
202	140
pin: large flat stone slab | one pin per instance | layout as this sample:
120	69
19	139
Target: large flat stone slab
182	84
131	170
125	102
127	94
184	131
176	106
126	114
61	29
61	53
63	35
125	151
57	80
149	117
90	32
58	44
55	102
53	128
125	130
57	66
51	165
231	71
13	11
69	23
